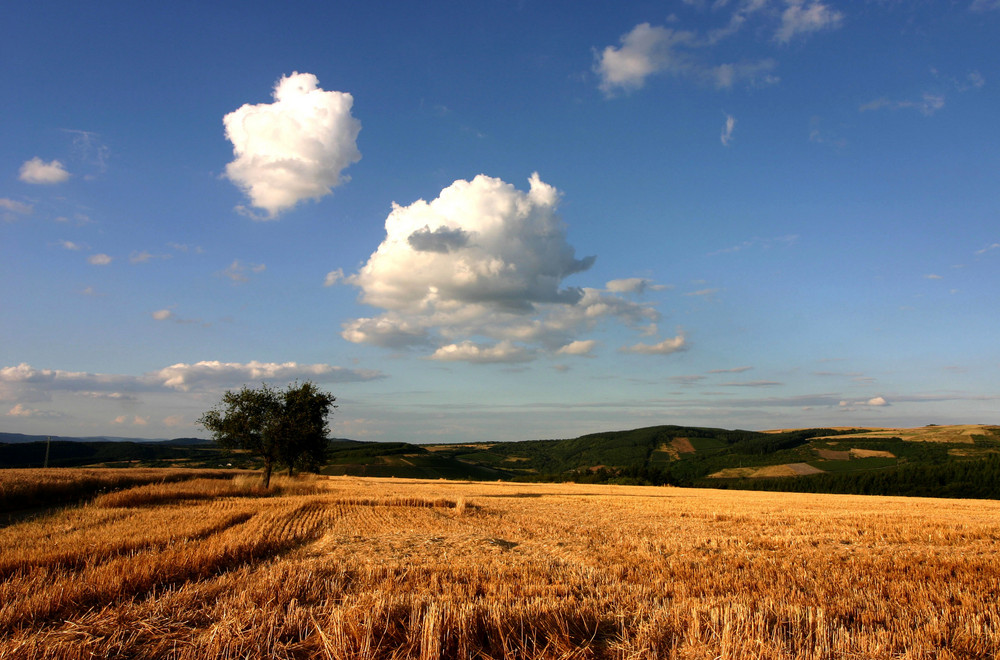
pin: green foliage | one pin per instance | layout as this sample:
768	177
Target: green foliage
706	444
991	439
769	443
281	427
357	452
856	464
979	478
626	457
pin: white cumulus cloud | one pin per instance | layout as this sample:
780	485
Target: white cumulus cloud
212	373
514	253
579	347
99	260
482	260
26	383
295	148
467	351
38	171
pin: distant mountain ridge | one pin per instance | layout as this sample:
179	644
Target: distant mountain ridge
13	438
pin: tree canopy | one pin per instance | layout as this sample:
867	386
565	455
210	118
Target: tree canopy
283	427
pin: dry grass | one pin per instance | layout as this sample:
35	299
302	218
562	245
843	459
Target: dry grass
768	471
360	568
22	489
870	453
834	455
956	433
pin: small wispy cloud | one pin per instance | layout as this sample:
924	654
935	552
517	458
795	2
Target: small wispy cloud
647	50
874	402
142	257
687	380
99	259
333	277
10	208
23	411
80	219
988	248
803	17
167	314
734	370
240	272
752	383
135	420
110	396
183	247
702	292
985	5
38	171
89	150
727	130
853	375
173	421
758	242
973	80
927	105
635	285
665	347
821	134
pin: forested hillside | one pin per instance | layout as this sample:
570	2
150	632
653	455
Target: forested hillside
940	461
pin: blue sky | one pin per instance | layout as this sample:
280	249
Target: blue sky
501	220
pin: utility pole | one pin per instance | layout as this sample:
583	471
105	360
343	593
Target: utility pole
48	441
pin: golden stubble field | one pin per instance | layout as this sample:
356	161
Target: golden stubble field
366	568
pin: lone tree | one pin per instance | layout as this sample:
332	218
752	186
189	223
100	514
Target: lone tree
284	427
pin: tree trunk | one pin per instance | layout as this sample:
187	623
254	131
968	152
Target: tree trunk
267	474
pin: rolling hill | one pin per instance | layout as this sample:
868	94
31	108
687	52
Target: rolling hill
955	461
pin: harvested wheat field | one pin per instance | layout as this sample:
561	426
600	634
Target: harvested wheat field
365	568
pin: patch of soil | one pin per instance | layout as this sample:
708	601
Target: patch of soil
683	445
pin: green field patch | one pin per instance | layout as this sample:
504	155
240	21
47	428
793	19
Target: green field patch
706	444
662	457
855	464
